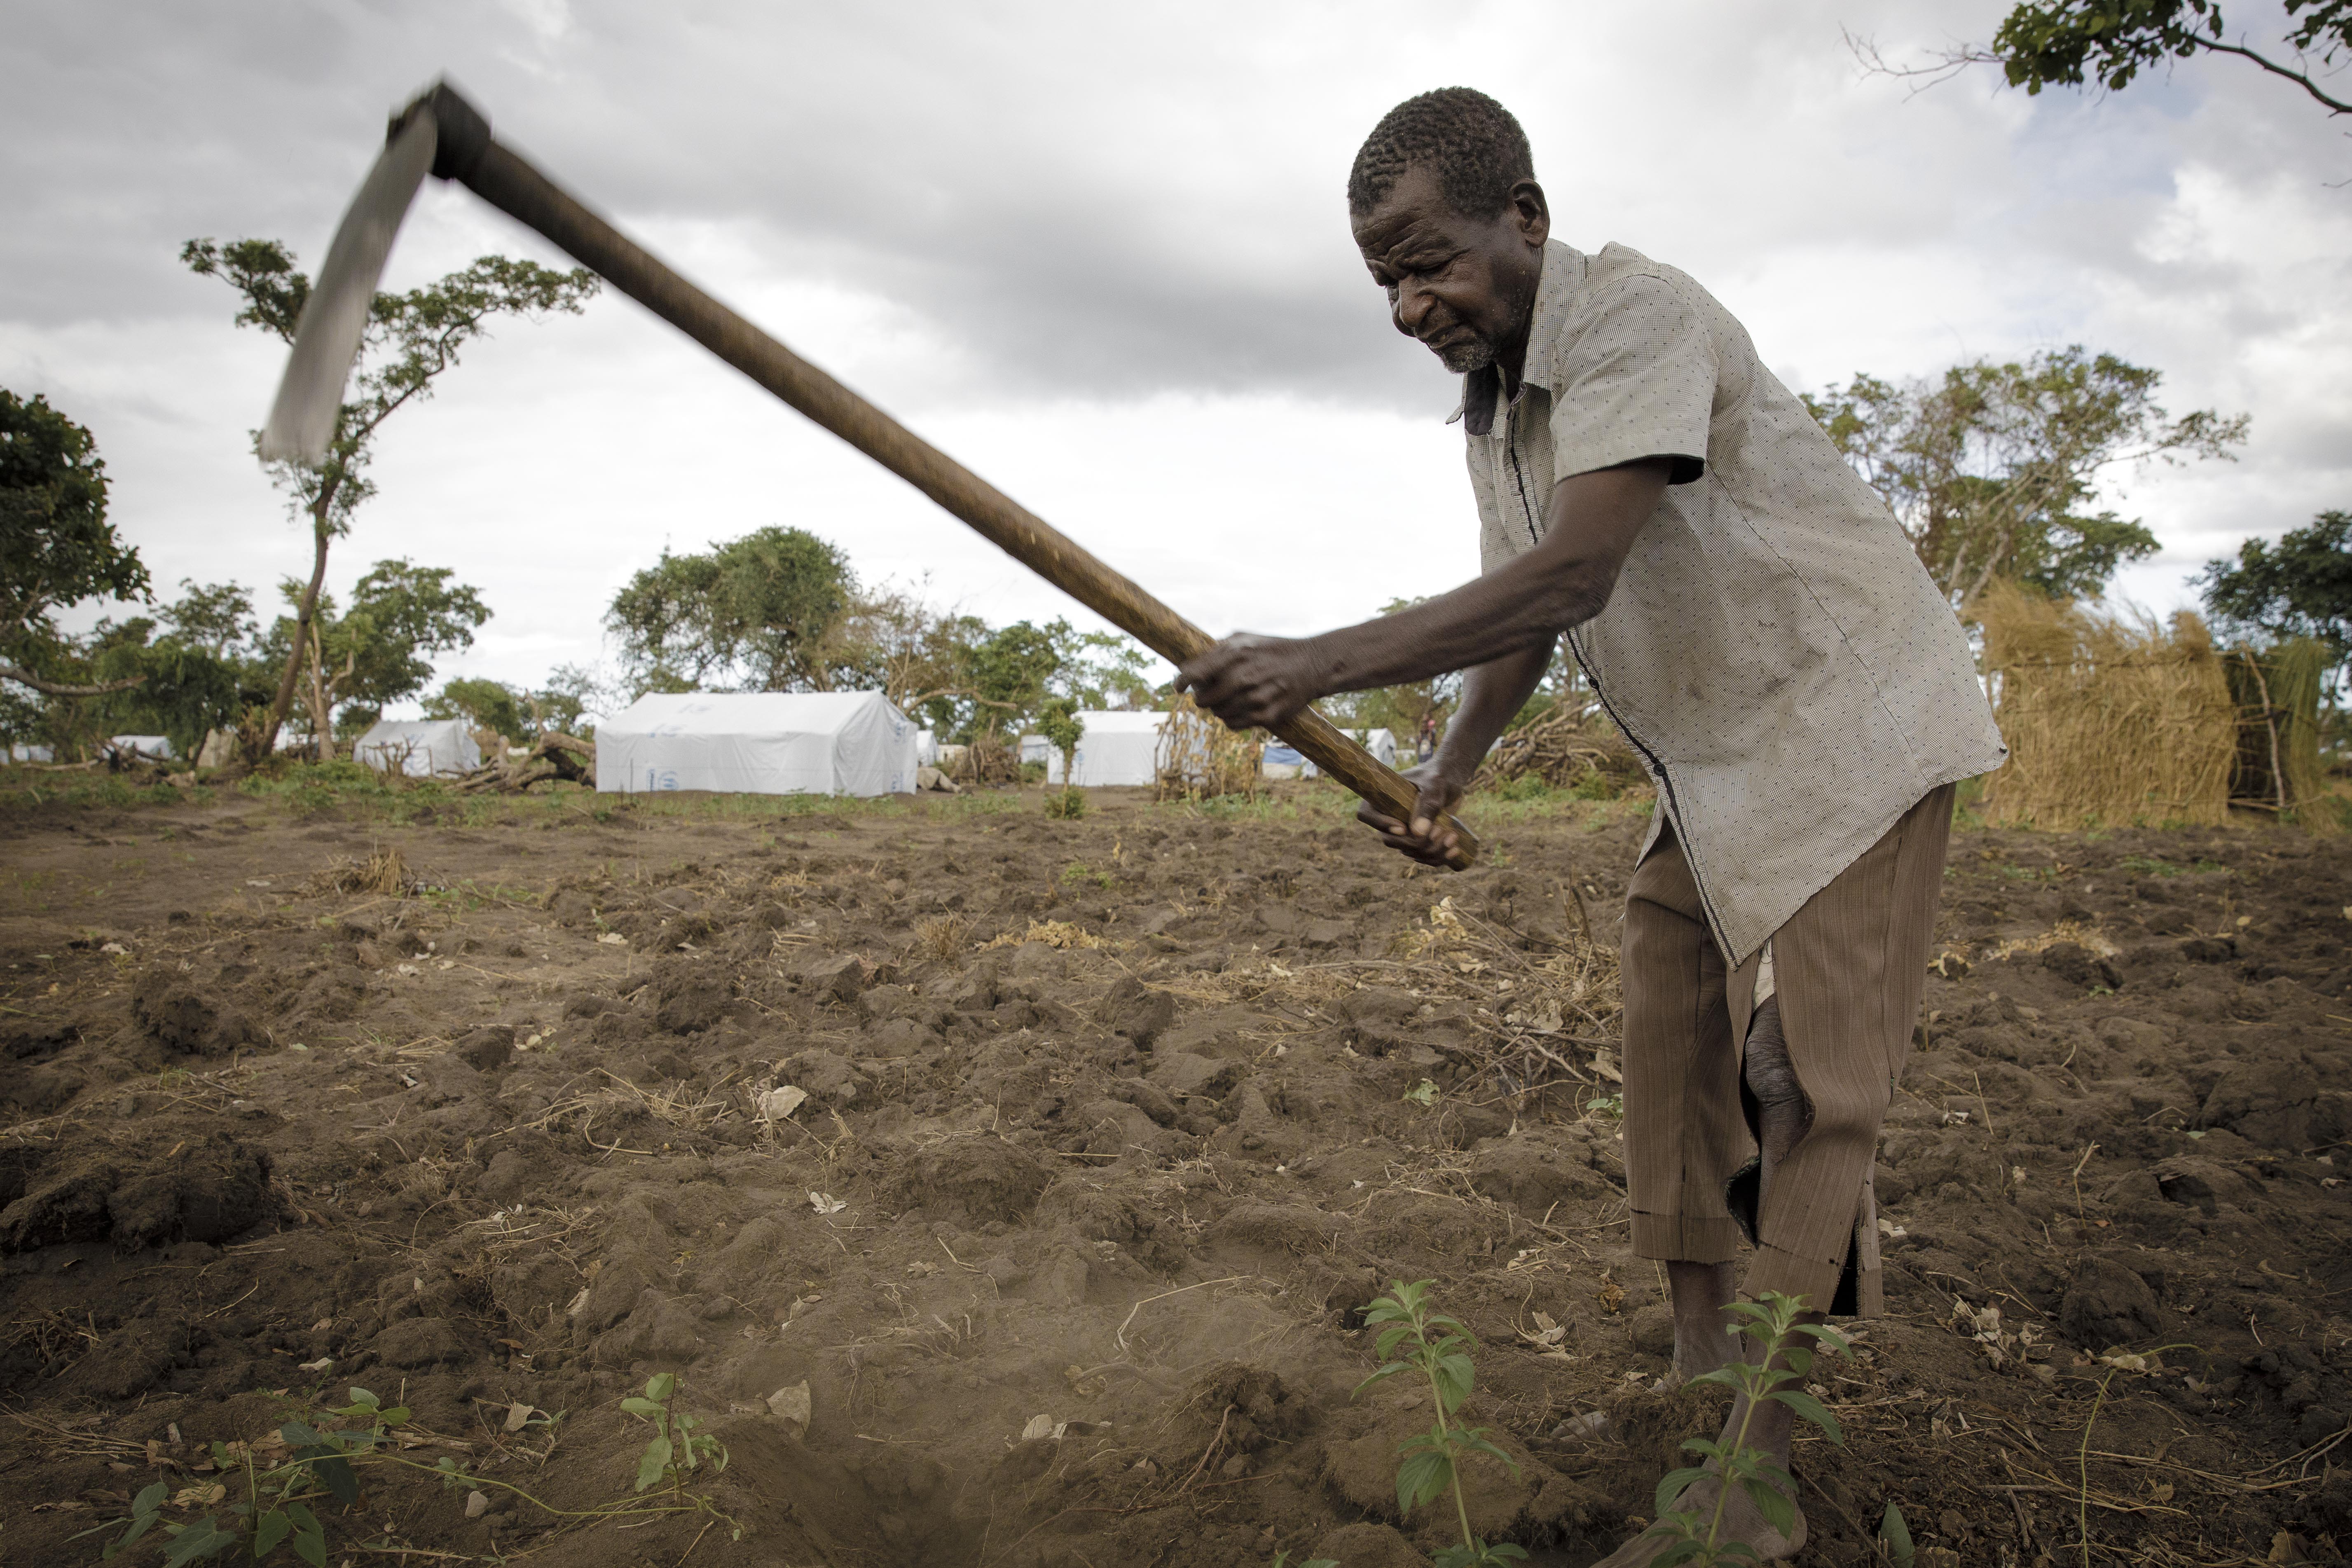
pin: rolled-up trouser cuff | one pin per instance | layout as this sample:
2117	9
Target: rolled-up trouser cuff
1685	1238
1812	1281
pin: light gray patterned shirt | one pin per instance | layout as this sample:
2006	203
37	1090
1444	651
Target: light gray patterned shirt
1790	674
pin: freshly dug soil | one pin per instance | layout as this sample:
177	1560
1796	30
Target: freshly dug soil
1065	1240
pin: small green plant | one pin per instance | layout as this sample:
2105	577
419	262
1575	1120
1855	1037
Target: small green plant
268	1490
1067	804
1423	1093
1437	1347
1697	1533
675	1449
1611	1106
1282	1559
1894	1536
268	1504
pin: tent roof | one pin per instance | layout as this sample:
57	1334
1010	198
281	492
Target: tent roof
740	712
1113	722
412	729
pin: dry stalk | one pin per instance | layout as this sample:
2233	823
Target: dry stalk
1199	759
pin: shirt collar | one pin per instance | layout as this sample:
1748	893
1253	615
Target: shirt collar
1563	269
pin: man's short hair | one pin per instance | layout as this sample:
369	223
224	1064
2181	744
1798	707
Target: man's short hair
1473	143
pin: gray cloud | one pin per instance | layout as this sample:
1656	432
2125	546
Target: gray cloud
1035	209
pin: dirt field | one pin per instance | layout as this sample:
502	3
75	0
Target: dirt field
1063	1241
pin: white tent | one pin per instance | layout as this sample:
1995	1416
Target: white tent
1380	742
145	745
421	746
1115	747
758	742
927	748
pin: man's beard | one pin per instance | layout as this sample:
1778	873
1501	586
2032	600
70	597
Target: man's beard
1472	353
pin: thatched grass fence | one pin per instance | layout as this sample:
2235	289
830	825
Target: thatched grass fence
2110	719
2115	719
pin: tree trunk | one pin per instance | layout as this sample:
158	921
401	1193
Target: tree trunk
322	733
304	613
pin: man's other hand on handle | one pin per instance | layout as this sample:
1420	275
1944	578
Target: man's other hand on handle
1429	837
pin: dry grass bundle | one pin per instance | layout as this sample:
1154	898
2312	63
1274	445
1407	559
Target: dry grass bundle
384	873
2110	719
2277	690
1199	758
1563	747
942	936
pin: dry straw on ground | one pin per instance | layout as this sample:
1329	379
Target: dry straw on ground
2110	719
384	873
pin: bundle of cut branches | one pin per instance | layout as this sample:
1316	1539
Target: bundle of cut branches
989	759
554	756
1560	748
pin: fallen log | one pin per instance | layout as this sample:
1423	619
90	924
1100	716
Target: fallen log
554	756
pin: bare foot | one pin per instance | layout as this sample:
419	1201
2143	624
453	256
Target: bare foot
1742	1521
1703	1341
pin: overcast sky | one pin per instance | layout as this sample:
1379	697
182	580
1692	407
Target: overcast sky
1100	254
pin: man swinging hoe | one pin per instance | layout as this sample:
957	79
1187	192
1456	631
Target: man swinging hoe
1756	623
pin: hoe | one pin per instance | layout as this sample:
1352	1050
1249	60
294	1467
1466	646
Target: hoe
440	132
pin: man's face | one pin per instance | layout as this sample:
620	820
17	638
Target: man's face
1464	287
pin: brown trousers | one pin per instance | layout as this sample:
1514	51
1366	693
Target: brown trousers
1849	969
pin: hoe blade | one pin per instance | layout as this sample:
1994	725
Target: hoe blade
335	317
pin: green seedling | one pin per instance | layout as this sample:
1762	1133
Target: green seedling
1414	1337
1423	1093
675	1449
1697	1533
266	1497
270	1505
1282	1559
1894	1537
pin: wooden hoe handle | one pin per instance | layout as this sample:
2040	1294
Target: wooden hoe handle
509	183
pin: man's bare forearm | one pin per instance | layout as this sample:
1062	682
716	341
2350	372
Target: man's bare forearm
1522	608
1492	695
1590	522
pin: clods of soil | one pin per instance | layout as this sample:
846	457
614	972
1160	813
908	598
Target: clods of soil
1007	1191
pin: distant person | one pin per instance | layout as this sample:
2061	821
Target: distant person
1428	735
1756	624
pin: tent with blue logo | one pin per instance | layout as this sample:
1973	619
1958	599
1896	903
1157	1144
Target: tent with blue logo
758	742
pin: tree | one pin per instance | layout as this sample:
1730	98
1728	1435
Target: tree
2073	43
1102	670
1059	724
754	614
378	652
412	338
57	548
483	704
1011	671
215	617
520	714
2299	587
1993	469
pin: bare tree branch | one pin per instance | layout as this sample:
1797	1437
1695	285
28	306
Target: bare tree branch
64	688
